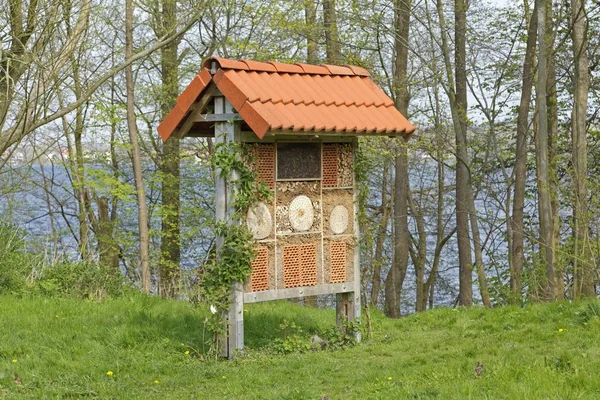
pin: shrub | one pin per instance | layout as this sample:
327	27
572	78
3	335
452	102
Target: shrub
587	313
16	265
81	280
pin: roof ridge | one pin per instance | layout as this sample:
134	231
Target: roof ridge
214	62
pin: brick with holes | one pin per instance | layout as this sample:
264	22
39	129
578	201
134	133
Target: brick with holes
259	278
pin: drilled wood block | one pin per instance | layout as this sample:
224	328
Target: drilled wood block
345	165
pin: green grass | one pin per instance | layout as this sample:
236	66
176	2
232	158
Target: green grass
63	349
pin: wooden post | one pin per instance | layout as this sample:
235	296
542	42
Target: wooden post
344	310
356	294
347	305
229	132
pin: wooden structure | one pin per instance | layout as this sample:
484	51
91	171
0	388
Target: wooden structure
302	123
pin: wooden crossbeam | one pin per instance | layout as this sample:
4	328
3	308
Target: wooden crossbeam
197	109
217	117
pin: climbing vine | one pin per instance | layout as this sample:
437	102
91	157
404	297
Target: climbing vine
234	256
361	166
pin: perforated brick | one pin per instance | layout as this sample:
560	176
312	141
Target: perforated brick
330	165
259	278
300	265
308	261
264	154
337	255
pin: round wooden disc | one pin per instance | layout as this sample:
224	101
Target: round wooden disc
259	220
301	213
338	219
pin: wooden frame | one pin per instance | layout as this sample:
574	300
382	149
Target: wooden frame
227	129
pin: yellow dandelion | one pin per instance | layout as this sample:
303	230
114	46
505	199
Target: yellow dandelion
389	378
109	373
186	352
560	330
14	361
156	381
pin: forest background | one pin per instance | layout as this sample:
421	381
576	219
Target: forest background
494	200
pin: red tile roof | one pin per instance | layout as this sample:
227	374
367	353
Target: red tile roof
298	97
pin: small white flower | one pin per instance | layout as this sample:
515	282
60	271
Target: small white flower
213	309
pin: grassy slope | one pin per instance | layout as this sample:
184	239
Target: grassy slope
64	348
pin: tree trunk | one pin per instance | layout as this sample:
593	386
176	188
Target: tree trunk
108	248
419	258
552	107
583	277
462	163
312	38
480	269
136	153
395	279
517	227
379	241
332	40
542	158
170	251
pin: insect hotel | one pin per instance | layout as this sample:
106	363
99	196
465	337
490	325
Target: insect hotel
301	122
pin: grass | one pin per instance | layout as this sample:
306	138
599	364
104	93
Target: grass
64	348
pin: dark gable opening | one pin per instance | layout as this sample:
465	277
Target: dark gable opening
298	161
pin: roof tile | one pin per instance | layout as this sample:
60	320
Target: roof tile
231	87
360	71
300	97
226	63
290	68
205	76
338	69
314	69
254	119
169	124
259	66
190	93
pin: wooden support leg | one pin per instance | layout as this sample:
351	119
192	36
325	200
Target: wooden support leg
347	308
344	310
235	342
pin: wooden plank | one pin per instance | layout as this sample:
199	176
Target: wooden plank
323	135
279	294
229	132
344	310
221	205
217	117
356	312
250	137
220	185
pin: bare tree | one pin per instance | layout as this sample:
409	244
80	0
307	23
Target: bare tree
170	247
517	228
32	67
397	273
135	152
542	158
583	278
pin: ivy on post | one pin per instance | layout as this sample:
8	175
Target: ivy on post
236	189
227	133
